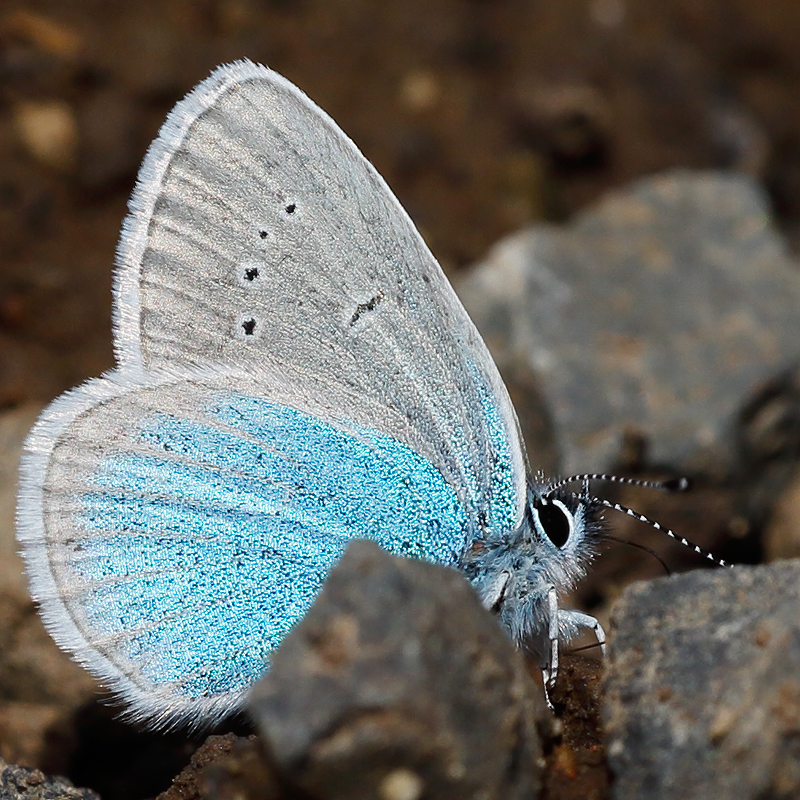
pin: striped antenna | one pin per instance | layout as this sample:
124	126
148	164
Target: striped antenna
673	485
653	524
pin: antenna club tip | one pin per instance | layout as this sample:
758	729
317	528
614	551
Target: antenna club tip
677	485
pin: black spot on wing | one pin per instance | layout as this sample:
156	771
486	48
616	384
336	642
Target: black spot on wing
365	308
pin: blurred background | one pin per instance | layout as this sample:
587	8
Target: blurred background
484	116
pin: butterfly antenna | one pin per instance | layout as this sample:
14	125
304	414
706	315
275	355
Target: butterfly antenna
653	524
672	485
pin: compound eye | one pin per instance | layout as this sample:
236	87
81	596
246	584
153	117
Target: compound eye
556	521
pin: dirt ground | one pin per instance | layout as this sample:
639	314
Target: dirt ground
482	115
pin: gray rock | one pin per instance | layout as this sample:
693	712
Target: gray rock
781	537
703	686
657	313
398	685
768	444
24	783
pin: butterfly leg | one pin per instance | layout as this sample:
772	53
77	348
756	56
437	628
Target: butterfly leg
493	594
578	619
550	671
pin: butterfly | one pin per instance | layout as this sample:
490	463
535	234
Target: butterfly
294	371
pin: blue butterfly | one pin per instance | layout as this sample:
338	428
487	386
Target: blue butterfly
293	371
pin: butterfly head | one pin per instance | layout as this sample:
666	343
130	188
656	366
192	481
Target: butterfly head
519	573
563	528
513	571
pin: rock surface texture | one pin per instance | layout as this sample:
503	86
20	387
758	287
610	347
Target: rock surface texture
703	686
657	313
22	783
398	685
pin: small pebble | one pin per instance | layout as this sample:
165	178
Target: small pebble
49	132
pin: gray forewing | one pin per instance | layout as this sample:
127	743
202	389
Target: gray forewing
261	237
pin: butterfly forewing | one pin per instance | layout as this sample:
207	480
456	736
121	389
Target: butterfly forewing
261	236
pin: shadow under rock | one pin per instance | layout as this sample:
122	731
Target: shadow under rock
121	760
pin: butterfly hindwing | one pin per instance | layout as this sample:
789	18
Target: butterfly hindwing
191	523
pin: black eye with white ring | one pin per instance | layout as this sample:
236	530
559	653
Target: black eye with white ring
556	521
